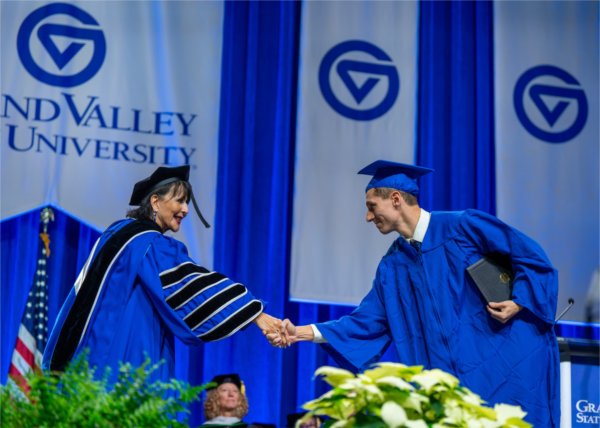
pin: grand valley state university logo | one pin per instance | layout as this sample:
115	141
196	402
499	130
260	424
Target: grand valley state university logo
358	80
37	40
550	104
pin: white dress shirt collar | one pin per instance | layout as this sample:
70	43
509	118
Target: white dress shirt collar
422	225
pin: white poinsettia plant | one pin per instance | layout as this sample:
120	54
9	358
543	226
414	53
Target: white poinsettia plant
396	395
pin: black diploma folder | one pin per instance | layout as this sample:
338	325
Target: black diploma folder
493	278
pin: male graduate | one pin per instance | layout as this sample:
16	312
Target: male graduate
424	301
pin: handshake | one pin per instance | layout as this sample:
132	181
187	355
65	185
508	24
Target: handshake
282	334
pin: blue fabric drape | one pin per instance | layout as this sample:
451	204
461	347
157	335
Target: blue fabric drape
252	226
455	131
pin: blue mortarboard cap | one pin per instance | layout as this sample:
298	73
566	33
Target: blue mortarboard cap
395	175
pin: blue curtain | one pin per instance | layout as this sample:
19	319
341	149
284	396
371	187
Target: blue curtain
255	176
455	130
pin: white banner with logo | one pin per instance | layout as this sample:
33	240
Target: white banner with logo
547	140
356	105
96	95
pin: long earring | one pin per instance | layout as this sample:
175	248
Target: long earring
154	216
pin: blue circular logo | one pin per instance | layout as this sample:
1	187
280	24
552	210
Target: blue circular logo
46	35
356	91
545	113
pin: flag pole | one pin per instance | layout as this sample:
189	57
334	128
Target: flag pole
33	330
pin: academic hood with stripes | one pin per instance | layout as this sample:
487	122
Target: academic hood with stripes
137	291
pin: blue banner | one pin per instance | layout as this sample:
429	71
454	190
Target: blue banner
547	151
357	96
96	95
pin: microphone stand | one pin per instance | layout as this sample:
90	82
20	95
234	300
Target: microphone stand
565	310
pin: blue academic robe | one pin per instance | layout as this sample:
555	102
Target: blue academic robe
137	291
427	305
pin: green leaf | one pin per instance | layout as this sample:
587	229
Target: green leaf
368	421
333	375
393	369
518	423
79	398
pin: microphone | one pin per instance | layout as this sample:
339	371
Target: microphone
565	310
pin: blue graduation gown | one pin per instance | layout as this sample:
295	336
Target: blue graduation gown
427	305
138	290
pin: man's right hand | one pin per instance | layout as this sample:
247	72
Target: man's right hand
503	311
270	325
292	334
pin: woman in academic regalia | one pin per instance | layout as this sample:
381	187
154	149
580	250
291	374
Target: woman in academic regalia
139	289
226	403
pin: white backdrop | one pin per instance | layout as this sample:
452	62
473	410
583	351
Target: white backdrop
96	95
356	105
546	88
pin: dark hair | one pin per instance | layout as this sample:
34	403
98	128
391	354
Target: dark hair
385	192
145	211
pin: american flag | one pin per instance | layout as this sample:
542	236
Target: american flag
33	330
